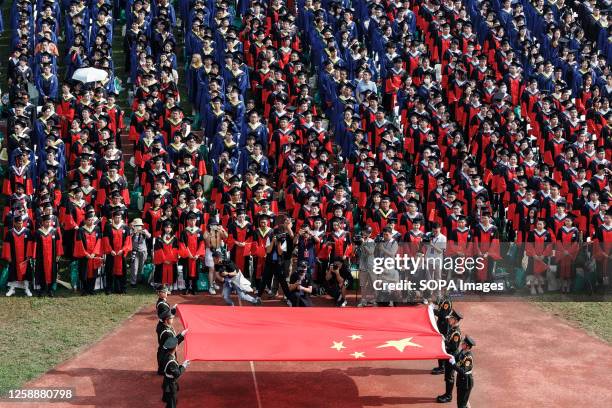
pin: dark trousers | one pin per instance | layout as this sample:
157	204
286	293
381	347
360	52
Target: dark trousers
114	283
160	354
464	388
170	399
335	292
449	373
298	300
88	285
273	269
191	284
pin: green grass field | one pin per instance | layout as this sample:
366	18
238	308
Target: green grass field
37	334
594	317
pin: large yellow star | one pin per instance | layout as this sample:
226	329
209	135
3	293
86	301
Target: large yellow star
400	344
338	345
358	354
355	336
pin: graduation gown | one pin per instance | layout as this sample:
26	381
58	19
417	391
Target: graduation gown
566	250
116	238
165	250
88	241
486	240
46	248
191	244
17	252
239	254
261	240
538	244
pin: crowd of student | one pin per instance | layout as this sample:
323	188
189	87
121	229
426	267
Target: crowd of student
322	124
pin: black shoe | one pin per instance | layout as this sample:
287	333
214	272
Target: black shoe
437	371
133	285
442	399
51	294
39	293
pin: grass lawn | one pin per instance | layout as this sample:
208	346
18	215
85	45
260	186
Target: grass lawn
37	334
594	317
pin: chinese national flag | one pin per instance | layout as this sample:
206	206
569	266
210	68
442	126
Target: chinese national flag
218	333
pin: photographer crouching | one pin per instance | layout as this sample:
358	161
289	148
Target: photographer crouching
335	285
300	287
226	271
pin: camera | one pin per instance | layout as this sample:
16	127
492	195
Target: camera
280	236
427	237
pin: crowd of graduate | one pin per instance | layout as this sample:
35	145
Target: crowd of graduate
316	125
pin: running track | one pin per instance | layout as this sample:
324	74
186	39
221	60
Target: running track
524	358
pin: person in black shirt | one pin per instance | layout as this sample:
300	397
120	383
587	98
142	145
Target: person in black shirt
300	288
334	283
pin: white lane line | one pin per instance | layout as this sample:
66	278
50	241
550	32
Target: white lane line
257	395
256	386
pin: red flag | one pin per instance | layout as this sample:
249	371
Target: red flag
219	333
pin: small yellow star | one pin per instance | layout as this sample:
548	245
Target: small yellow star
400	344
338	345
355	336
358	354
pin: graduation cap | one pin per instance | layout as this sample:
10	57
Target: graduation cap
74	186
47	217
192	215
570	216
118	213
263	216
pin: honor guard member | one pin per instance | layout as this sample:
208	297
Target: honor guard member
172	370
164	331
452	343
441	312
162	302
463	364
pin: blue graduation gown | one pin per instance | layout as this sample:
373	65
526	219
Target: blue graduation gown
47	87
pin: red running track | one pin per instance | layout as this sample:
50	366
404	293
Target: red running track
524	358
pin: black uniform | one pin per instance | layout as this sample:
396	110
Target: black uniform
452	343
161	306
442	322
163	332
172	370
465	382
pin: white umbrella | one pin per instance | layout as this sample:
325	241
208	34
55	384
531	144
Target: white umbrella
87	75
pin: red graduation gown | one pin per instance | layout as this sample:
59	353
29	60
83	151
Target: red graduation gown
89	242
165	250
191	244
17	251
116	238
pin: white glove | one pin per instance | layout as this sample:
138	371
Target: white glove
186	363
184	332
451	360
